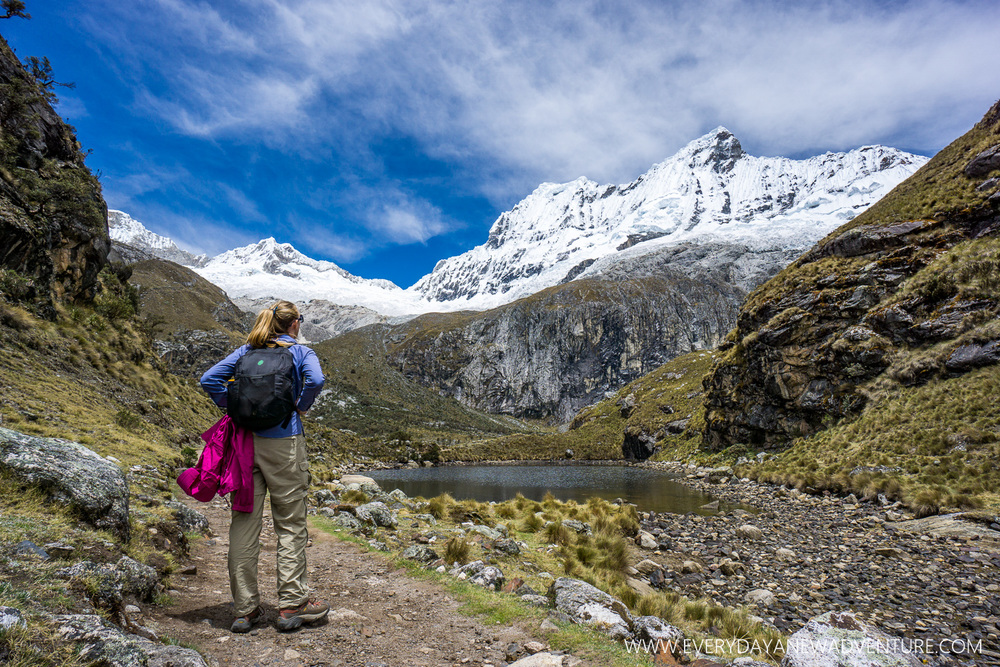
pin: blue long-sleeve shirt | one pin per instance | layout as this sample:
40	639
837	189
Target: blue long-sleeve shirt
308	383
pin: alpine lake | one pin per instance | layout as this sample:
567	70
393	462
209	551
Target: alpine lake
649	490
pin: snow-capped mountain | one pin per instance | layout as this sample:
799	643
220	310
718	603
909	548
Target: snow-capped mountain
710	191
127	230
269	269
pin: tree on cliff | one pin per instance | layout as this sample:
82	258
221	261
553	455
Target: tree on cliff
41	71
13	8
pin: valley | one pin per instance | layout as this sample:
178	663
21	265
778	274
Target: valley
814	340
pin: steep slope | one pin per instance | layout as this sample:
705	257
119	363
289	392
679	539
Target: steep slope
192	322
53	221
550	354
709	191
366	395
893	319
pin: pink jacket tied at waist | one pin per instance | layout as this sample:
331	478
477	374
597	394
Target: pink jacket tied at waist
225	466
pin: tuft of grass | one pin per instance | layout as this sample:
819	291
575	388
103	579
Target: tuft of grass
456	550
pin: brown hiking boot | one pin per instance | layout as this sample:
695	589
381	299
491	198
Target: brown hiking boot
245	623
307	612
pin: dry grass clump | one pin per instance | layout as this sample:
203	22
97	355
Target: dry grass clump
438	506
355	497
457	550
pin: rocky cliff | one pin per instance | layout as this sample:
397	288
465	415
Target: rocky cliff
53	220
905	294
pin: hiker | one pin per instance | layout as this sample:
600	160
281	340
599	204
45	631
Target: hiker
280	466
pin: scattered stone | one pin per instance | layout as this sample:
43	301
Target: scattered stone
489	577
647	566
691	567
344	615
59	549
486	531
536	600
646	540
785	554
712	506
360	480
548	626
578	526
666	636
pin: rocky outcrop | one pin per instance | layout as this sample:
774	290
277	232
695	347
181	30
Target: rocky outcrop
71	474
563	348
906	275
53	220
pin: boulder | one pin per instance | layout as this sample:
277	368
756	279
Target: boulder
109	585
588	605
486	531
71	474
840	639
398	496
360	480
107	645
11	617
420	553
489	577
749	532
760	597
540	660
984	163
376	513
507	546
578	526
324	497
190	520
658	632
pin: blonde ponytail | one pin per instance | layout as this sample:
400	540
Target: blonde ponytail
271	323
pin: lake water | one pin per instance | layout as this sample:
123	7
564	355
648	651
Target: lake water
648	489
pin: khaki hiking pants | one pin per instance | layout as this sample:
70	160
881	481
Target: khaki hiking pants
281	468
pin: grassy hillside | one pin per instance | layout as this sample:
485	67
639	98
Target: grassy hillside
366	395
870	364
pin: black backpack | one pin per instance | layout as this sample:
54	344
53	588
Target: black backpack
262	393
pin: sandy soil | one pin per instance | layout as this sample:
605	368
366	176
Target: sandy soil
380	616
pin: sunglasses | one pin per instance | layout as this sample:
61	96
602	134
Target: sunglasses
301	318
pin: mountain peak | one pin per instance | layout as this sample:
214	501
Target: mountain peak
719	150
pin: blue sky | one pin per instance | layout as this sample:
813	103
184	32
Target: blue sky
387	135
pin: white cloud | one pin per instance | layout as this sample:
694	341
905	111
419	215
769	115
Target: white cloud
520	92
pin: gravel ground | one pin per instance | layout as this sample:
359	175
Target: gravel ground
823	553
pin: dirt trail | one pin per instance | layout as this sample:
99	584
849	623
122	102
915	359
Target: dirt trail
380	616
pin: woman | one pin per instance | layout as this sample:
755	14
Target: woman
280	467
